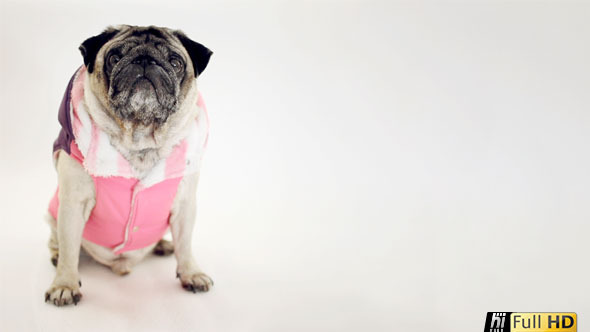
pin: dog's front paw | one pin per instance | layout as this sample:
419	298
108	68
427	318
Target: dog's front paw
195	282
61	295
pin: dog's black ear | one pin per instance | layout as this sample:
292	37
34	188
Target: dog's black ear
199	54
92	45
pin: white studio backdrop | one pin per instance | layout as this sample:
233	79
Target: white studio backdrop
372	165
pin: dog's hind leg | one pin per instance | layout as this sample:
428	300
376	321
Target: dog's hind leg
164	248
120	264
123	263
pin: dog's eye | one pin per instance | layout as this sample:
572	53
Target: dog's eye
176	64
113	59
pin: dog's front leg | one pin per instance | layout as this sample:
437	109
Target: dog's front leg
182	220
76	201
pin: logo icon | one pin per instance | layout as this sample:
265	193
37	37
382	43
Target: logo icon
496	321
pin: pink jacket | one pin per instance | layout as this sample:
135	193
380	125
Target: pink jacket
130	213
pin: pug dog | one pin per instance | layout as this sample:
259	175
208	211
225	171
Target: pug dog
134	128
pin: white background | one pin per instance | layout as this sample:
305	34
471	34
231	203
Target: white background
372	166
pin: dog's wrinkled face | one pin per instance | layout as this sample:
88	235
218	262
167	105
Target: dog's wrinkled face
142	74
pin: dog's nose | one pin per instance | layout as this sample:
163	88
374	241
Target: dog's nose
144	61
